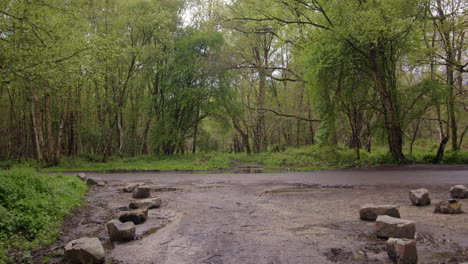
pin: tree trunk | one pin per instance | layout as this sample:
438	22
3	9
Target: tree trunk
63	120
244	135
194	146
443	138
260	123
413	138
451	103
120	127
392	122
37	127
49	155
311	128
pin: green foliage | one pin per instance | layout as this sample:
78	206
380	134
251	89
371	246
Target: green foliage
198	161
195	86
32	207
303	158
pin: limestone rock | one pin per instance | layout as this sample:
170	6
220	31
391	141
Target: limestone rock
420	197
387	226
121	231
136	216
448	207
82	176
131	186
459	191
84	251
402	251
148	203
370	212
141	192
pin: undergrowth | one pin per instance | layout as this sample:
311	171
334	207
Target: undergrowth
303	158
32	208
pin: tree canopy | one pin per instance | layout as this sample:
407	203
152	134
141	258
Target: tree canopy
110	77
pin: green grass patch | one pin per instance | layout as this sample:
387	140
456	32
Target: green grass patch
32	208
199	161
304	158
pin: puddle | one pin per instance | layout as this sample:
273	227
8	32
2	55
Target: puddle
315	226
244	171
210	187
303	188
299	191
151	231
164	189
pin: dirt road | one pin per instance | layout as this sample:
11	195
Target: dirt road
264	218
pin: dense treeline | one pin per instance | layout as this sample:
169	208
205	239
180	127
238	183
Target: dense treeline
99	78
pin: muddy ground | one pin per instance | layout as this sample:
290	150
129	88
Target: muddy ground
270	218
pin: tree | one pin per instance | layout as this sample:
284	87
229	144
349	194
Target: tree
190	92
377	32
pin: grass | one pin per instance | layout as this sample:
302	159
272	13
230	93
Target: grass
210	161
32	208
303	158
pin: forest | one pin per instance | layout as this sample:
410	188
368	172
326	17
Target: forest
97	79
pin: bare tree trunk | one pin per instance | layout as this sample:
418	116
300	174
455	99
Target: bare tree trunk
63	120
49	155
120	128
37	126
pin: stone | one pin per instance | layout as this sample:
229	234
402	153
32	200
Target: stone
84	251
148	203
141	192
131	186
359	255
459	191
387	226
82	176
370	212
101	183
136	216
402	251
94	181
448	207
119	231
420	197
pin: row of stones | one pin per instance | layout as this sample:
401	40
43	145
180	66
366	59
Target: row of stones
89	249
401	246
420	197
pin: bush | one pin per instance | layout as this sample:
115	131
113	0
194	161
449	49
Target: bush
456	157
32	207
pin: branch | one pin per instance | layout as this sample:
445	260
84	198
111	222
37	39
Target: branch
286	22
285	115
434	119
462	136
